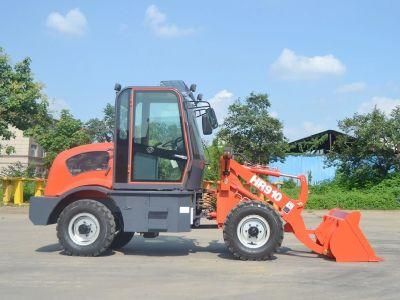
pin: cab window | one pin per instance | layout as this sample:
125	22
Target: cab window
159	152
89	161
122	136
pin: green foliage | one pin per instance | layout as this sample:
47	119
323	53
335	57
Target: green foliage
18	170
213	154
372	152
327	195
59	135
252	131
290	188
22	104
29	190
102	130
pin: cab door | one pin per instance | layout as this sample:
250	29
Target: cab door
151	139
152	160
158	152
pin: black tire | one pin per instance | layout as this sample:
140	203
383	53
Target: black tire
106	228
259	209
121	239
196	223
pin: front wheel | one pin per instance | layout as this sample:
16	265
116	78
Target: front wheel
253	231
85	228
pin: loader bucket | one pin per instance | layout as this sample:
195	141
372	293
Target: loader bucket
340	235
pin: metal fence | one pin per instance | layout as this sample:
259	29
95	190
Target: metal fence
312	166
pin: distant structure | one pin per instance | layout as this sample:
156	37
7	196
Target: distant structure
27	152
308	154
319	143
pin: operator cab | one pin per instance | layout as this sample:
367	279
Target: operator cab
157	140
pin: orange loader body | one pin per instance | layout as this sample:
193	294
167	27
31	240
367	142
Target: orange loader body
100	195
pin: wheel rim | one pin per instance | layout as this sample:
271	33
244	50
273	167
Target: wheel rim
84	229
253	231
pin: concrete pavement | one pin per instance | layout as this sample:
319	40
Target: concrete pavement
193	265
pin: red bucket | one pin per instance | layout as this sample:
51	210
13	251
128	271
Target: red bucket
340	235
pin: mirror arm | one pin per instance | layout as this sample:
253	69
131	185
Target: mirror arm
207	104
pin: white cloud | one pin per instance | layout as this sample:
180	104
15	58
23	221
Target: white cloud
307	128
157	22
354	87
220	103
383	103
56	106
74	23
291	66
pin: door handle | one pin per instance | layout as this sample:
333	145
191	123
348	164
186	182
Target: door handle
180	156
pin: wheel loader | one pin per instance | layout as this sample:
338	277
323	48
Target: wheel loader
150	180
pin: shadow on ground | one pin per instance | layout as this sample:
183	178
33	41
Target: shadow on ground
170	246
298	253
163	246
177	246
160	246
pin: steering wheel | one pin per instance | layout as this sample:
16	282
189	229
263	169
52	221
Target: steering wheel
173	143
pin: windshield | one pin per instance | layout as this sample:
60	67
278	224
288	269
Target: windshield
195	134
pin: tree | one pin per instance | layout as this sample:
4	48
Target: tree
371	149
22	104
252	131
62	134
102	130
19	170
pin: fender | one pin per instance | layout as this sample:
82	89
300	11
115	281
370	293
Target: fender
45	210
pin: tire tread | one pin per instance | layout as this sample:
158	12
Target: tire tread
100	208
228	232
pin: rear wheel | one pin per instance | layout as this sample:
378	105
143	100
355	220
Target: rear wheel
253	231
85	228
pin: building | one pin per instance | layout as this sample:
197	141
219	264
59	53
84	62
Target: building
27	152
308	155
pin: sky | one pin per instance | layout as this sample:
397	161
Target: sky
319	61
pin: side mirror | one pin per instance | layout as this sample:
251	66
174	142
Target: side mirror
199	97
193	87
206	125
212	117
117	87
